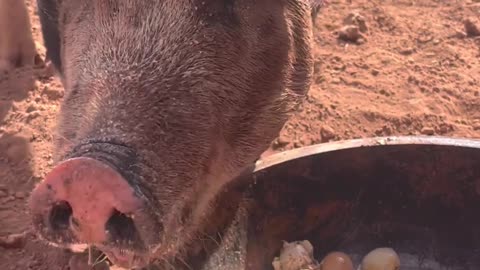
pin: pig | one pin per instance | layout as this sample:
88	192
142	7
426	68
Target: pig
165	103
17	48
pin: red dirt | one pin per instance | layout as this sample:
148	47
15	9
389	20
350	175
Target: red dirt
415	70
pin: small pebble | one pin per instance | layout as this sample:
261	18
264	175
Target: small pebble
282	140
53	93
328	133
336	261
32	116
471	28
336	80
350	33
407	51
381	259
355	18
476	126
14	241
31	108
427	131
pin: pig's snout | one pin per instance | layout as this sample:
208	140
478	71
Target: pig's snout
84	200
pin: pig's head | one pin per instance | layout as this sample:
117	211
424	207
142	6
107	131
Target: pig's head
165	102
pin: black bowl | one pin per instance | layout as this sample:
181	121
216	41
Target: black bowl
417	195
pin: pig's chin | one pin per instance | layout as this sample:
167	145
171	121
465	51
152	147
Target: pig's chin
125	258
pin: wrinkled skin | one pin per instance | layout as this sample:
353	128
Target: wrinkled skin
175	97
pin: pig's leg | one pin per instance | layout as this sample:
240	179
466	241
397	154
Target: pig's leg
16	43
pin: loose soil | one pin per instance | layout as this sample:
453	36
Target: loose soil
382	67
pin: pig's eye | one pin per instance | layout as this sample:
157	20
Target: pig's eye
229	6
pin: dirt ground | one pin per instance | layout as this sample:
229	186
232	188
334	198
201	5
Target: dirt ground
411	68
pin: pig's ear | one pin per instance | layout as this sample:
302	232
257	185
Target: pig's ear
48	14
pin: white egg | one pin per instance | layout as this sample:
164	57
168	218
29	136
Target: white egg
381	259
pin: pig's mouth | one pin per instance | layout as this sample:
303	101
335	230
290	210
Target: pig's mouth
125	258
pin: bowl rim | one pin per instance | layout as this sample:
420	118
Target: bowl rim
316	149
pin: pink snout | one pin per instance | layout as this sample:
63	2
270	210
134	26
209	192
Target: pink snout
86	198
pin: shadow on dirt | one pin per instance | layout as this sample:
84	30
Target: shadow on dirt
15	169
17	177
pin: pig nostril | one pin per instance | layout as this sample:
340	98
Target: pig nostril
120	227
60	216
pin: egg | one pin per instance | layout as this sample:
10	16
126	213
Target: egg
381	259
336	261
